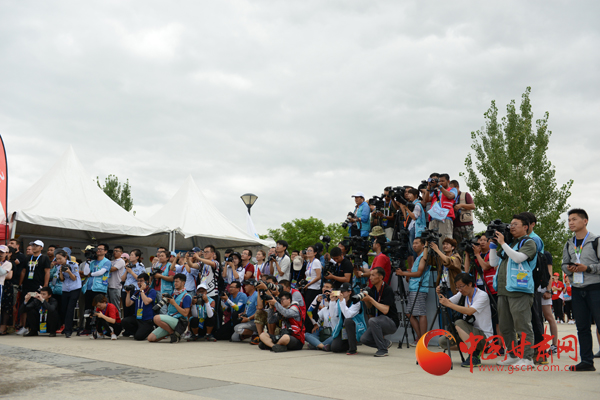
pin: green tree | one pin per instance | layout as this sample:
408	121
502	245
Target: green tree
301	233
119	192
512	173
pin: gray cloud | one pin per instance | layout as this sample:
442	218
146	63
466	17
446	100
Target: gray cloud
302	103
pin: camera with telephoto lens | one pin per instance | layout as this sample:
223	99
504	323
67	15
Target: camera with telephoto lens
498	226
162	302
378	202
423	185
325	239
398	193
467	246
359	296
431	235
129	288
347	222
302	283
199	299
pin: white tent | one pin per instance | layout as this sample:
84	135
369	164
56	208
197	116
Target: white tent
67	203
198	223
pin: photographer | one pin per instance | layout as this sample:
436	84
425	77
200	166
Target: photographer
264	315
418	220
203	318
361	222
71	288
35	275
248	266
326	319
130	277
463	214
262	267
292	332
234	270
515	286
281	264
108	319
163	275
232	305
313	275
97	271
6	289
42	312
141	299
481	262
351	318
474	305
173	324
442	199
380	260
246	328
190	270
418	287
450	267
341	272
388	214
380	301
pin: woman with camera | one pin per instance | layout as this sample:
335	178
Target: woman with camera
234	271
107	316
313	287
262	267
68	273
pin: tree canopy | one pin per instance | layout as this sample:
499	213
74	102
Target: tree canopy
301	233
119	192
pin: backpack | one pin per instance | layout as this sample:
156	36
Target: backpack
541	276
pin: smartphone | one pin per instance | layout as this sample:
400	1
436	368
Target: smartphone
570	263
336	293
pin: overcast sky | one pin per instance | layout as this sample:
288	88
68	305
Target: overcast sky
300	102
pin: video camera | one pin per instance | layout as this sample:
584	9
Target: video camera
378	202
467	246
398	194
431	235
498	226
90	252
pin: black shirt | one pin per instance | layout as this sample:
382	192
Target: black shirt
17	268
36	269
341	269
388	298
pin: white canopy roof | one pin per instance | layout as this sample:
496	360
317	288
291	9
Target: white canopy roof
66	202
198	222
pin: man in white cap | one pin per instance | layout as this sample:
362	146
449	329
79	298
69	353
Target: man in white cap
361	223
203	316
37	275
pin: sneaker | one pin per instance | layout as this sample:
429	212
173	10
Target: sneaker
466	363
509	361
113	337
255	340
30	333
381	353
571	322
263	346
351	353
278	348
187	335
210	338
83	333
312	347
59	331
390	344
553	349
192	338
523	362
327	347
22	331
541	361
52	335
501	352
582	367
174	338
414	344
67	335
597	355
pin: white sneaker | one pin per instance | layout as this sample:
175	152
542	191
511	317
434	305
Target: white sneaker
523	362
23	331
186	335
414	344
571	322
113	337
509	361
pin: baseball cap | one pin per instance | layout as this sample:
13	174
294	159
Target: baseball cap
297	263
37	243
358	194
377	231
3	248
67	250
203	285
125	255
196	249
556	274
345	287
173	254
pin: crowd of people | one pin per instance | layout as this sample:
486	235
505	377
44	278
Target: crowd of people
289	299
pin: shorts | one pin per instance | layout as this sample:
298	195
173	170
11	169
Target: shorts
294	344
545	302
462	324
260	317
171	321
420	304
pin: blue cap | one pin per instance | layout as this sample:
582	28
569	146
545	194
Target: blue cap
67	250
196	249
173	254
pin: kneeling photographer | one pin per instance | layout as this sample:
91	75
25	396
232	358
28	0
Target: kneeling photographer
474	305
203	316
172	324
107	317
351	322
141	323
42	312
380	301
291	336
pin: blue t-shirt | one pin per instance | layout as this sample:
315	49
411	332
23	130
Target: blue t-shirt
251	304
146	312
538	242
413	284
240	302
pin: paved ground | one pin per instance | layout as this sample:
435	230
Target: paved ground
80	368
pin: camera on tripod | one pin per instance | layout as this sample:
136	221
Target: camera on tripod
398	194
378	202
466	245
498	226
431	235
162	302
347	222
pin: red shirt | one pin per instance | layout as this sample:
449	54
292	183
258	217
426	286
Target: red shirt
488	276
248	267
383	261
111	312
556	286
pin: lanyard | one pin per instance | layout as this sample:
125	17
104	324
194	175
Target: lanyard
31	264
472	298
578	253
309	268
379	297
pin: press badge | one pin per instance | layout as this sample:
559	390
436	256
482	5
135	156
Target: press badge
139	313
578	277
522	279
42	327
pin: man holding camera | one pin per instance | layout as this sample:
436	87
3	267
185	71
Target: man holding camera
388	214
141	298
463	214
264	314
246	328
381	260
361	222
292	331
442	197
233	306
71	288
474	305
173	324
281	263
42	312
418	287
203	318
189	269
97	271
380	301
515	287
341	271
36	274
450	265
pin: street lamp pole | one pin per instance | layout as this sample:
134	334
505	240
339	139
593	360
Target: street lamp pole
249	199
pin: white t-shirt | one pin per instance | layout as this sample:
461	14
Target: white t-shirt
311	273
417	212
7	266
285	265
483	313
114	278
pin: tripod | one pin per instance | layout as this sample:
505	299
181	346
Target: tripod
401	294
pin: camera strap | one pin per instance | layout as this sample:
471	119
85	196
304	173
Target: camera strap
33	265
